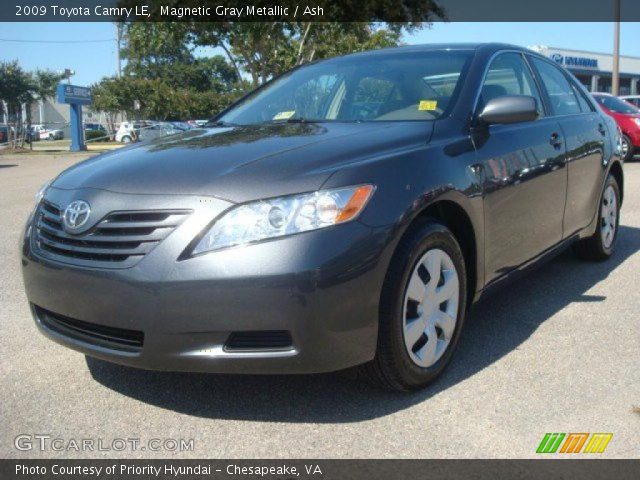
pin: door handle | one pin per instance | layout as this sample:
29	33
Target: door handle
602	130
555	140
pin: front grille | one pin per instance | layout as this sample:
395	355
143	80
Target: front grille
119	240
109	337
259	340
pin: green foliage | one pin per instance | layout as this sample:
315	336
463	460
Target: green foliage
158	100
164	73
266	49
18	87
163	51
93	134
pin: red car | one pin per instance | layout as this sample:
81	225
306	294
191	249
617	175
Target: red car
628	119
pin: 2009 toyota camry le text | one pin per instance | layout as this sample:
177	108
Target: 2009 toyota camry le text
344	214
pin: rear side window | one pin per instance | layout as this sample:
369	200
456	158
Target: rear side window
584	105
508	75
561	94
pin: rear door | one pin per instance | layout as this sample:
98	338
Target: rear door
585	134
524	174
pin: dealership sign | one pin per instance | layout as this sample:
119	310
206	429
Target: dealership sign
575	62
74	94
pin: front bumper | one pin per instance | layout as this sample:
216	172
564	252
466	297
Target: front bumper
321	287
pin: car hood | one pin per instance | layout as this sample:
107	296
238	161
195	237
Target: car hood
243	163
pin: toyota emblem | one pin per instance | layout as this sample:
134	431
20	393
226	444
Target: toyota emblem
76	214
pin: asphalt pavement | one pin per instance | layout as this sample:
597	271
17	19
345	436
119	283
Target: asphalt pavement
557	351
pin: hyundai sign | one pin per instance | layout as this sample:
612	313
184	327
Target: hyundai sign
574	62
74	94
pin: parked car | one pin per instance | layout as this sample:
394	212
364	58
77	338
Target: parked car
94	127
197	123
158	130
632	99
628	119
184	126
130	131
346	214
41	132
4	133
95	132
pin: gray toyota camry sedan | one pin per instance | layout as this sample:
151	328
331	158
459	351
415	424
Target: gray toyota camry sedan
347	213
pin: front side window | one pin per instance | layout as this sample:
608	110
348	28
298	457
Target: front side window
508	75
561	95
392	87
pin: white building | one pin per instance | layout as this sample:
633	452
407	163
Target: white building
594	69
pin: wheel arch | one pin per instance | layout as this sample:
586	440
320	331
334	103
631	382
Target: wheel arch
618	174
457	219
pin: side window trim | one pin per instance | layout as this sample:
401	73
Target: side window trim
541	93
546	92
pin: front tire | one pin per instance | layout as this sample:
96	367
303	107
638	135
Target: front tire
601	244
422	309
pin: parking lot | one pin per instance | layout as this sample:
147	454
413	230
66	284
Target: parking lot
558	351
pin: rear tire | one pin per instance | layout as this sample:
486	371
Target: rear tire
601	244
427	257
126	139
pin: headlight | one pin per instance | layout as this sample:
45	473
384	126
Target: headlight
283	216
637	121
40	195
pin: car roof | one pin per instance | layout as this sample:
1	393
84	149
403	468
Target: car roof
432	47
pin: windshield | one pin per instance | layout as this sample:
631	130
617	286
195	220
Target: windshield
392	87
616	105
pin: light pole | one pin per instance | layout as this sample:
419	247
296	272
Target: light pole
118	43
615	77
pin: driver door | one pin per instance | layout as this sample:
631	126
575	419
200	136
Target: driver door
524	173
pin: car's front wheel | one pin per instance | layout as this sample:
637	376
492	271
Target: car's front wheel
422	309
601	244
126	139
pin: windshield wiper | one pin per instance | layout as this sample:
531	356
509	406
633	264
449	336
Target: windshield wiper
220	123
297	120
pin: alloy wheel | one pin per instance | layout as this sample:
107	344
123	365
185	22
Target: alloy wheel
624	147
430	307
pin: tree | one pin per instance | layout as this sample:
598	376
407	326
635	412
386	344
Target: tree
16	88
43	87
163	51
158	100
267	49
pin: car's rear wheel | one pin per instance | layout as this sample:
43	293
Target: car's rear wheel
126	139
422	309
601	244
627	148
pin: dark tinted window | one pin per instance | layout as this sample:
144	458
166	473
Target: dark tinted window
508	75
561	94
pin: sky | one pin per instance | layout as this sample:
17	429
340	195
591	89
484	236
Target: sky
91	48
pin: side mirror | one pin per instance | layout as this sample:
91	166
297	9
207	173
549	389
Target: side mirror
509	109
